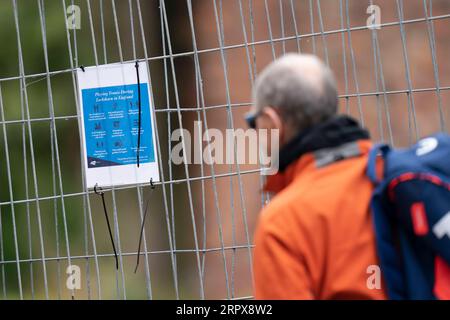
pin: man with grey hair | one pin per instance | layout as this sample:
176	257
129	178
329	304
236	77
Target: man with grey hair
315	239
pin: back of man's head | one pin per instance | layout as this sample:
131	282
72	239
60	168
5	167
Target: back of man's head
300	87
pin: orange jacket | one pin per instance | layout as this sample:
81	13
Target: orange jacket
315	239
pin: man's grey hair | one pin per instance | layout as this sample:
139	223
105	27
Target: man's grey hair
301	87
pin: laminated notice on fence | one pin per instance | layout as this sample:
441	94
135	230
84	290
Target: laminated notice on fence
109	103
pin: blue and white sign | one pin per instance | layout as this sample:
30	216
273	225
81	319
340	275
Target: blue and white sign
109	102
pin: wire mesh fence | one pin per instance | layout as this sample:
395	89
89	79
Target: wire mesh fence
203	57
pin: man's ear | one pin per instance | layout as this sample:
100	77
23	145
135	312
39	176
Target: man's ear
271	119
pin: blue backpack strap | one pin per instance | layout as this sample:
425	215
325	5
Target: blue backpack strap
378	149
389	260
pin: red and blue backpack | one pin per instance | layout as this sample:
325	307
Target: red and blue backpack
411	214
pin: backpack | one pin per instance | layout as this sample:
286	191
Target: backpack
411	215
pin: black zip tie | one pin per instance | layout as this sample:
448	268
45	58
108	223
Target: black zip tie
82	68
139	116
102	194
152	187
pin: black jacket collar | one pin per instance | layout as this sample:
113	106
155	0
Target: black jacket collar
334	132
